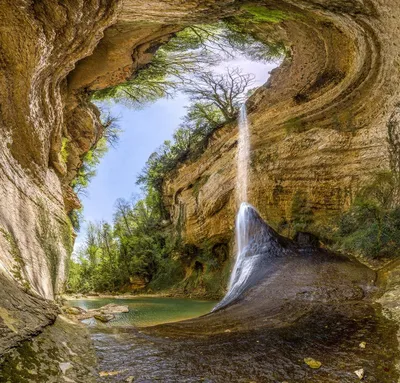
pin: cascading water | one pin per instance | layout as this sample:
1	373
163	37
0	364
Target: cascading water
243	155
242	160
245	262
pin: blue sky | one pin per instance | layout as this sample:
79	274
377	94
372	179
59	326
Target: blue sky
143	131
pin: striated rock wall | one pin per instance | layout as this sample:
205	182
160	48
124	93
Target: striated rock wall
319	127
40	43
44	109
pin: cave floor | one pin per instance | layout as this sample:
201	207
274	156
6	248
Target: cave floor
330	335
310	305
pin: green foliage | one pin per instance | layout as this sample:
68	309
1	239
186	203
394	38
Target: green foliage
301	213
87	170
165	73
91	159
169	273
64	151
260	14
138	247
134	246
190	52
215	100
76	217
371	227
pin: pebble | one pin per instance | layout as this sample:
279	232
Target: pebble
65	366
360	373
312	363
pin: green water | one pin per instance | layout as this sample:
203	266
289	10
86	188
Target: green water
147	311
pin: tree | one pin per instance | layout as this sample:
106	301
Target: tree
122	215
90	161
225	92
189	52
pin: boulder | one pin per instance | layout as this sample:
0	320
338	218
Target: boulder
73	310
104	317
114	308
104	312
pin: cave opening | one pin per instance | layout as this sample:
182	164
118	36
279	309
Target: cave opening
321	248
131	239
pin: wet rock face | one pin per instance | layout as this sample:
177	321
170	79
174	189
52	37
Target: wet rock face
257	246
21	315
62	353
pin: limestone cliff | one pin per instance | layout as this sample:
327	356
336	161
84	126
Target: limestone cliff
318	126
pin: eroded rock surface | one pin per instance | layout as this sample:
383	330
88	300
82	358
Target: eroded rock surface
22	315
310	317
62	353
319	126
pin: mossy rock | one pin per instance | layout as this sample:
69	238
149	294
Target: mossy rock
264	15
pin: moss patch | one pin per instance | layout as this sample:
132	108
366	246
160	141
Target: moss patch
261	14
295	125
48	238
64	149
15	252
199	183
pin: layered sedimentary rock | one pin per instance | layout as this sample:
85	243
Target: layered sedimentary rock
319	126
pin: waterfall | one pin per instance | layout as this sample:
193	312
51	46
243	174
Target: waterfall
255	246
244	265
243	155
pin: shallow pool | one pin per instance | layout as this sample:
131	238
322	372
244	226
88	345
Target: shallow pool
147	311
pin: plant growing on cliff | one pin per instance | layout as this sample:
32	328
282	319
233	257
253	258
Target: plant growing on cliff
18	269
91	160
189	52
216	99
371	227
301	213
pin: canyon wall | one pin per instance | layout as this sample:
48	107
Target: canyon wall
319	126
